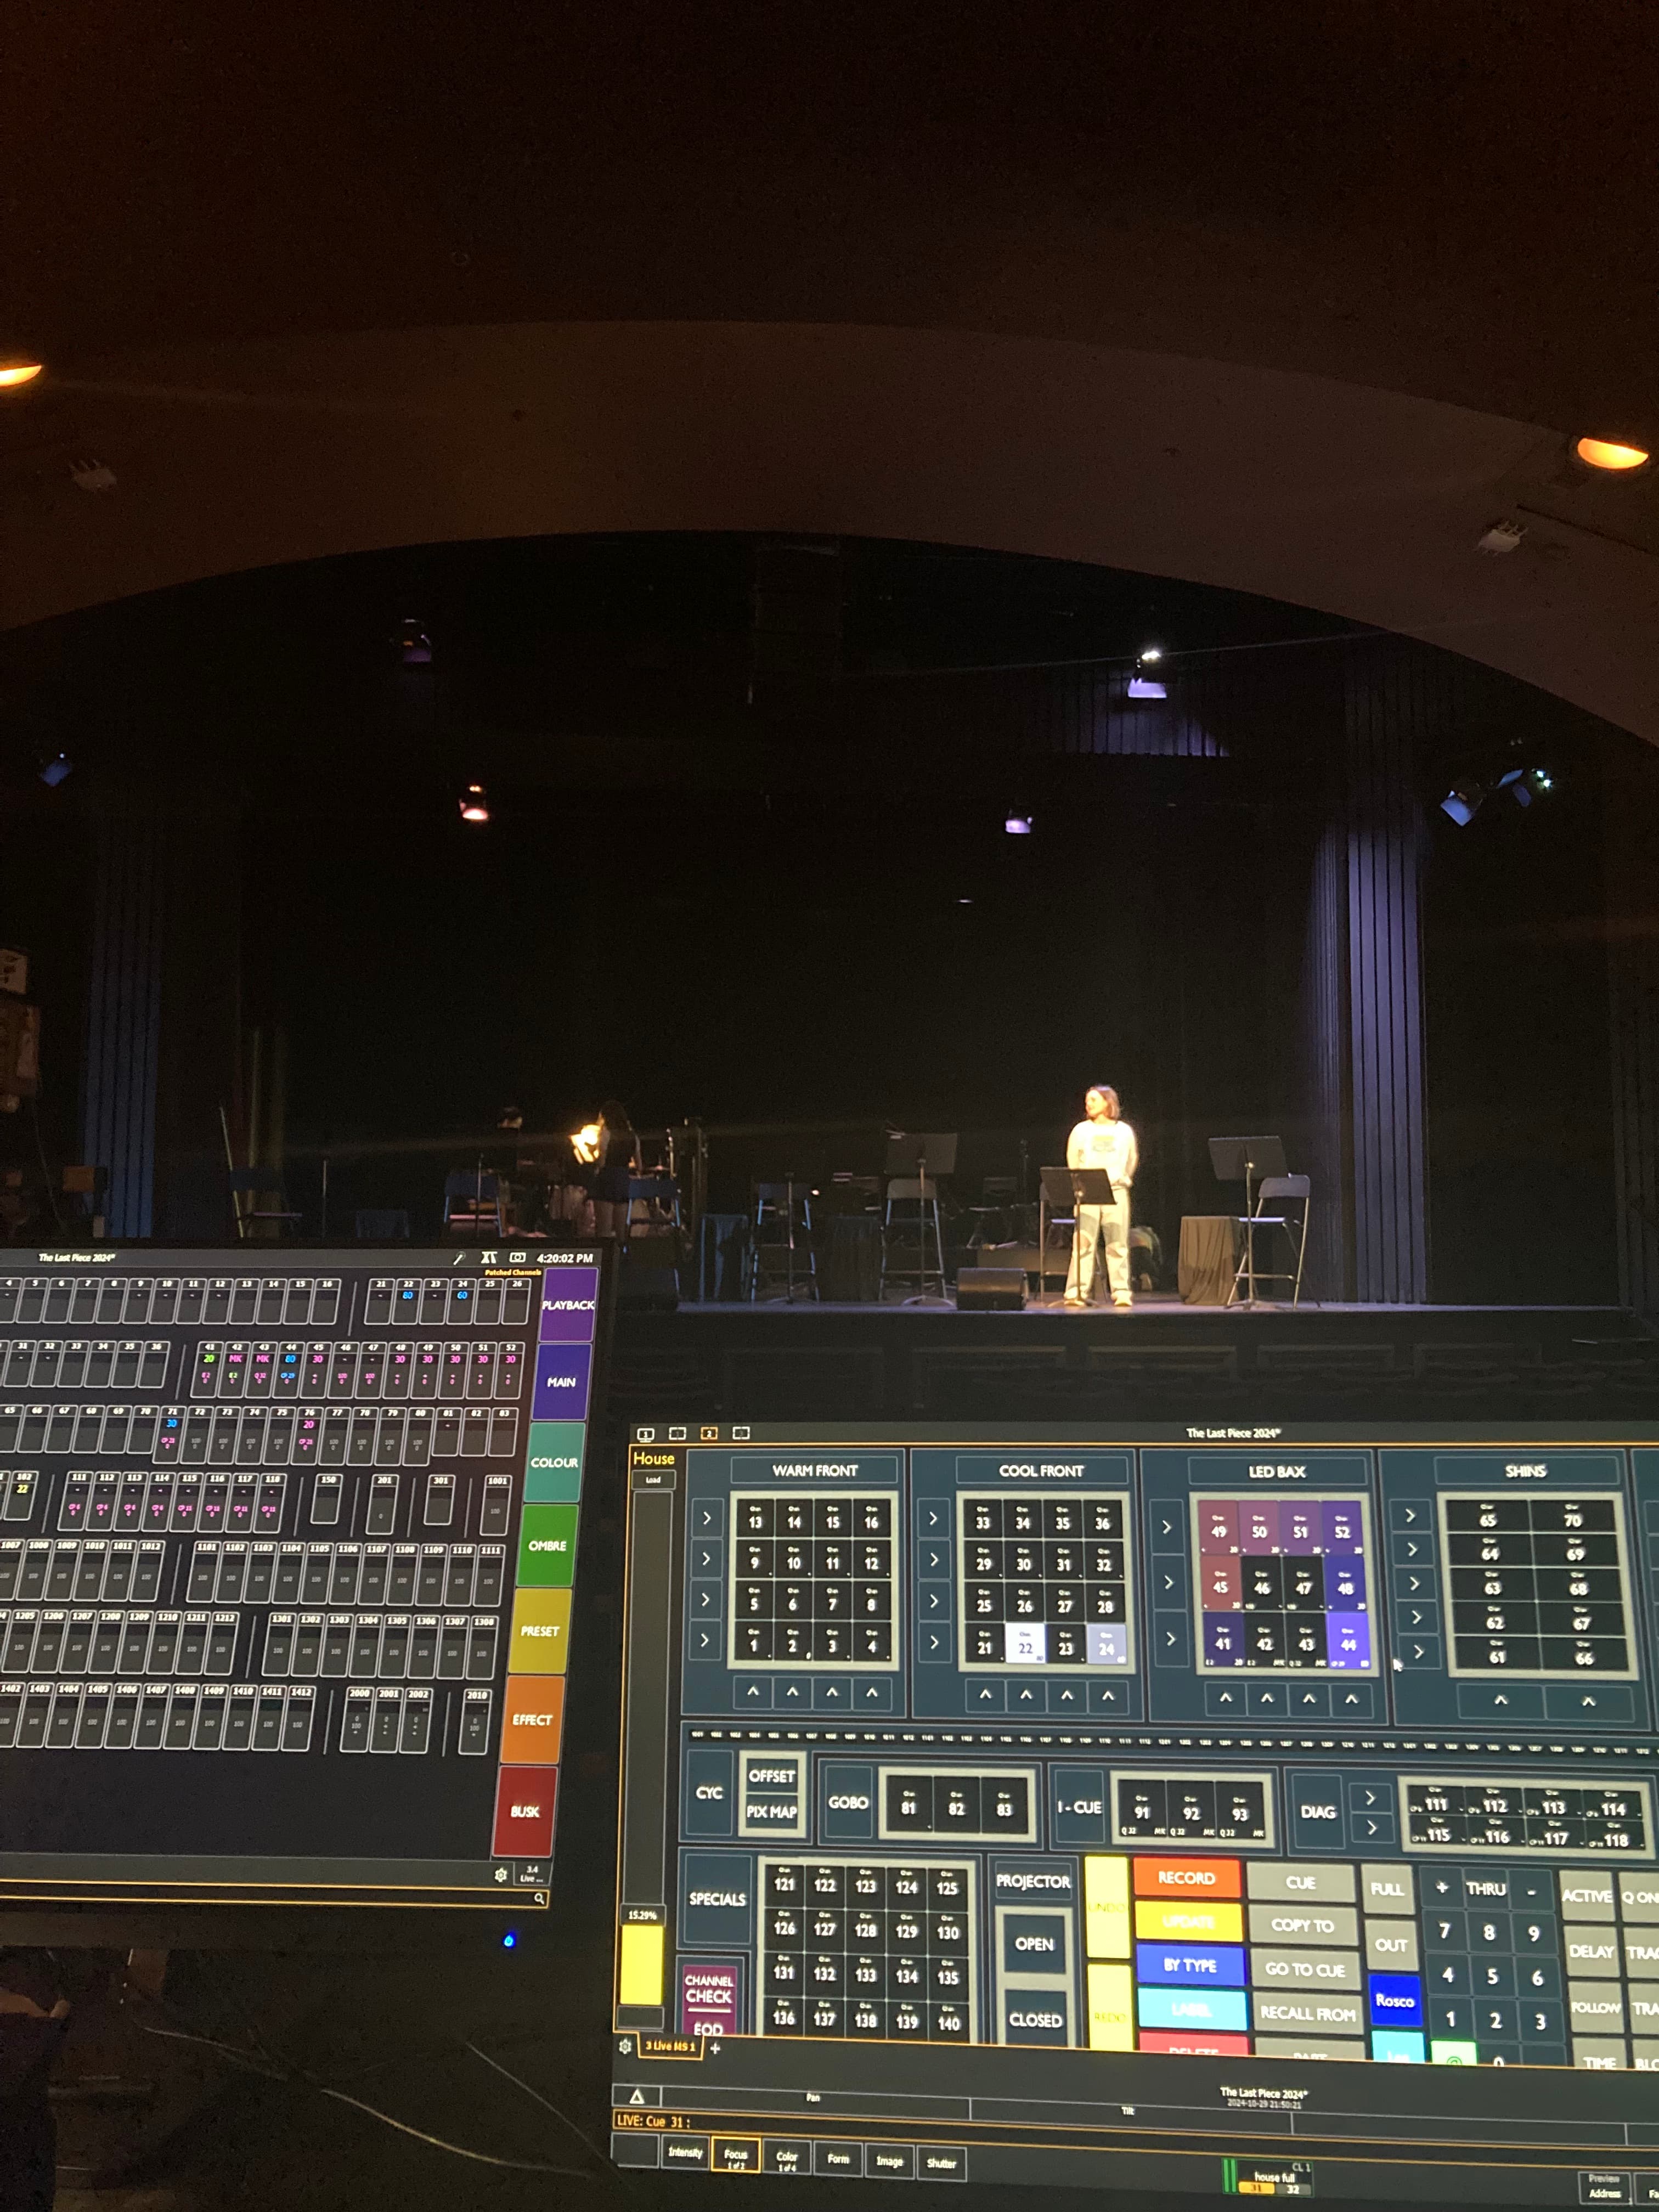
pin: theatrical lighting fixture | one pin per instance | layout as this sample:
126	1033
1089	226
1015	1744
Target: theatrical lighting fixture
1500	537
1609	454
1150	652
53	771
585	1143
91	475
1018	825
474	803
413	642
16	372
1470	792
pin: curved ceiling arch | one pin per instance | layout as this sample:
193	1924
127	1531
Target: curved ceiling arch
1366	504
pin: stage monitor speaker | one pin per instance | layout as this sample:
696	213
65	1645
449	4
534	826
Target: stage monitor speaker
990	1289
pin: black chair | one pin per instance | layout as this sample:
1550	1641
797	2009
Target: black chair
1274	1190
382	1224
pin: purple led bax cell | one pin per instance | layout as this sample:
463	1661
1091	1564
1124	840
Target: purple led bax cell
1301	1527
1344	1526
1345	1585
1347	1640
1258	1525
1223	1639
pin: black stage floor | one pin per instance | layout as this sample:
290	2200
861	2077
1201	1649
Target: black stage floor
1161	1359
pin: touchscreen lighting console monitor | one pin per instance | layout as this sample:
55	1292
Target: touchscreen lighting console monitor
1254	1810
288	1542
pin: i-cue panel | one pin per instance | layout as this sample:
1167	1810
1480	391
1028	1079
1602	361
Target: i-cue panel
1248	1811
302	1524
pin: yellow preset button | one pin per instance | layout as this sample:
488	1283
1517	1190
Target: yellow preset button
639	1978
1218	1923
1106	1906
1111	2010
541	1632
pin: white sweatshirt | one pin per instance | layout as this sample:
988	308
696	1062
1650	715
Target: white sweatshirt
1109	1144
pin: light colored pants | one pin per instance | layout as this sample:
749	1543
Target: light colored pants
1094	1223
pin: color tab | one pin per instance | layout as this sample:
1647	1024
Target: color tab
553	1466
1397	2047
1161	1877
1197	2009
1191	1965
639	1980
1218	1924
533	1720
547	1547
541	1633
562	1379
1194	2043
1106	1907
523	1812
1111	2010
570	1298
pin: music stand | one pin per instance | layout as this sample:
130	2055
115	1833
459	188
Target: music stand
1073	1187
1248	1160
922	1154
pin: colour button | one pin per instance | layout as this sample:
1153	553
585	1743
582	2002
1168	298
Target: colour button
553	1463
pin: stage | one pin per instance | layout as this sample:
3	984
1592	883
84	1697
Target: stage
1160	1359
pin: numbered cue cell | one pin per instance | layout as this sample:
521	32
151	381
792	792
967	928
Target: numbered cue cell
1538	1585
814	1580
1612	1820
1043	1581
1285	1585
871	1950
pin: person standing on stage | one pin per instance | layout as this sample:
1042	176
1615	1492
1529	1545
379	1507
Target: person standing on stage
1103	1139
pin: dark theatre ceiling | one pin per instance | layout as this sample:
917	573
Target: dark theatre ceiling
1297	299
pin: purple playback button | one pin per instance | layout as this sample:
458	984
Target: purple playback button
562	1378
570	1297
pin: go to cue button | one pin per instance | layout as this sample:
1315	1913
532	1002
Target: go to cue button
1162	1877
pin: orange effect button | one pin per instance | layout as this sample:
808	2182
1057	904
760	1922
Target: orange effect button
533	1720
1157	1877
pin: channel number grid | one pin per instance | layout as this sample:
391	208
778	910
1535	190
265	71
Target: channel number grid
1285	1585
814	1579
868	1950
1043	1580
1538	1586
